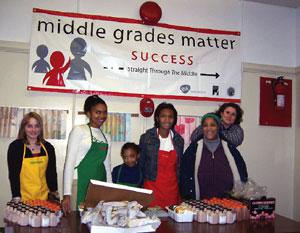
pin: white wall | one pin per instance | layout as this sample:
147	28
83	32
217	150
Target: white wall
15	19
297	153
268	35
298	37
268	32
268	151
297	133
200	13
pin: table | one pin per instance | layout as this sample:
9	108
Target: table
71	224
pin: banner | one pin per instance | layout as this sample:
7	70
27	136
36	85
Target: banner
79	53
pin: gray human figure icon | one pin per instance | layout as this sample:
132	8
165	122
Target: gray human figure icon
41	66
78	65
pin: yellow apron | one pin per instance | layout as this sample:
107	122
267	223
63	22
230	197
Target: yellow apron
33	183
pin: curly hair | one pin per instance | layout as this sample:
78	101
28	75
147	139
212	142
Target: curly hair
239	111
130	145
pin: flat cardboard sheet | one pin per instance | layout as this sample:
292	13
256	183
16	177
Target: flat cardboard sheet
113	229
98	191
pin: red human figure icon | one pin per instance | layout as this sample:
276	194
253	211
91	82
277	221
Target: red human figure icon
54	77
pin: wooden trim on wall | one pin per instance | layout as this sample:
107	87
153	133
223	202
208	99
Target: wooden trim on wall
14	47
297	71
269	69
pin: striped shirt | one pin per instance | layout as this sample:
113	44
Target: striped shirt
233	134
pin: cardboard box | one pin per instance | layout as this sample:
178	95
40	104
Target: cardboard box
98	191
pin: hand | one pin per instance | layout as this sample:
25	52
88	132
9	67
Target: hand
66	204
16	199
53	196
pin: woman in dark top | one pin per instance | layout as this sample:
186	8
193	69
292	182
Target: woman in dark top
230	130
207	168
31	162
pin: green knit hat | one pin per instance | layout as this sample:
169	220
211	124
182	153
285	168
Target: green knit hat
211	115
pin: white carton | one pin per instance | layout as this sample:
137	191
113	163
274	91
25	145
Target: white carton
113	229
185	217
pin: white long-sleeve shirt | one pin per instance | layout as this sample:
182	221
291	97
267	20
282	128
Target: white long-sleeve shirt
79	143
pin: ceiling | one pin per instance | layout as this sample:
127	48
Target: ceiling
286	3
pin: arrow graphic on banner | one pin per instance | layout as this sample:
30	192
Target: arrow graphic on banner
106	68
211	75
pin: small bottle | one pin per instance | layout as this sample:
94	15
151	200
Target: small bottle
14	217
209	216
24	219
234	216
45	220
202	216
222	218
19	217
229	217
239	213
10	213
195	212
7	211
245	212
30	217
214	218
53	220
36	220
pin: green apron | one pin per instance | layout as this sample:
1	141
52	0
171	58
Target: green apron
91	166
126	183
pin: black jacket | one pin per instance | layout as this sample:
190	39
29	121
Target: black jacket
149	147
15	159
187	169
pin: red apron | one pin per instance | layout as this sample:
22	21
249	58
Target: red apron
165	188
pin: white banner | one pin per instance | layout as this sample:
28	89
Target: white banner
72	52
